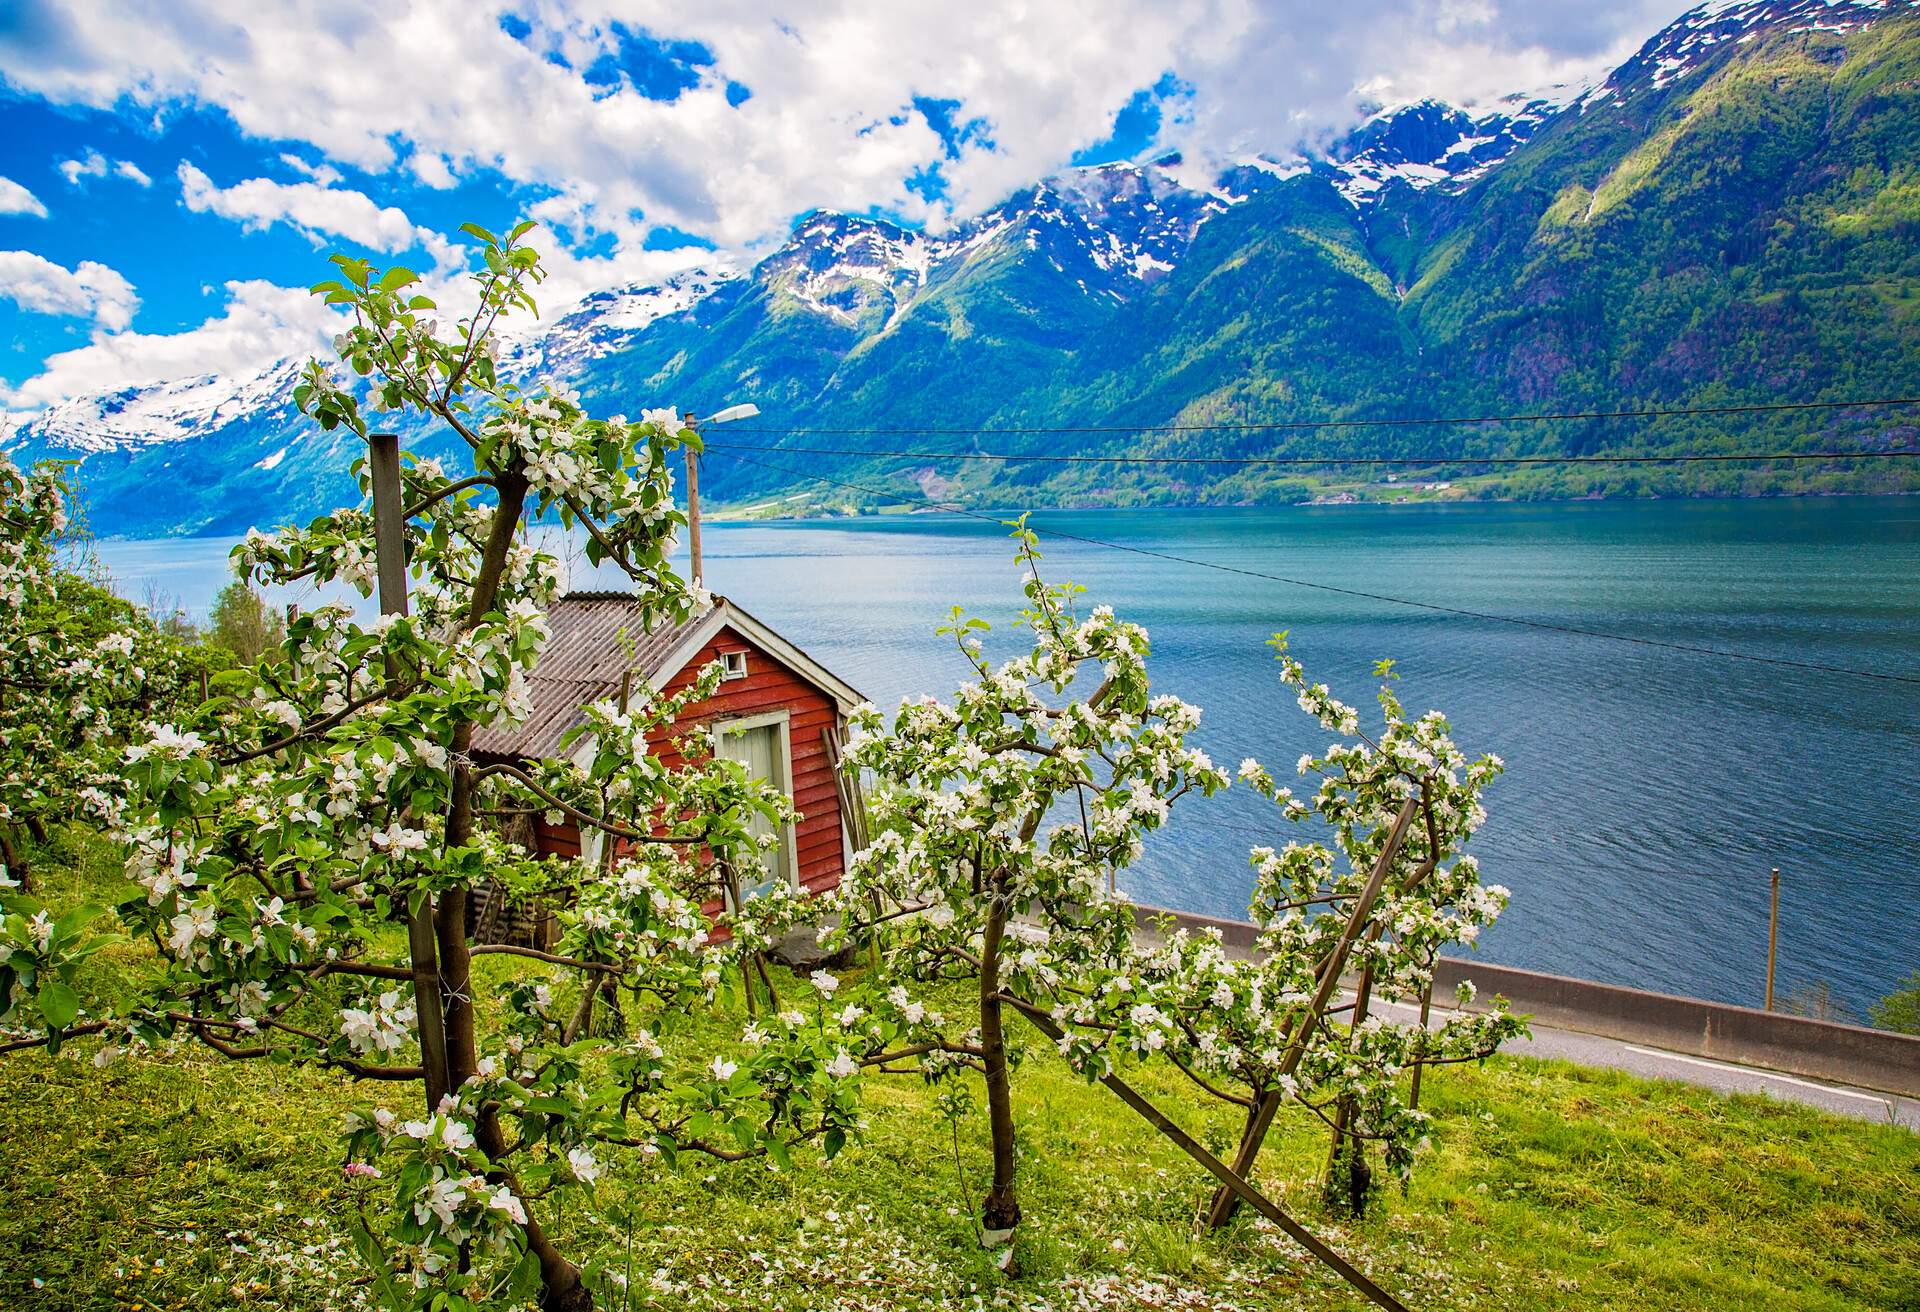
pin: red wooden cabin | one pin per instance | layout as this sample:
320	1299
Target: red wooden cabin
777	705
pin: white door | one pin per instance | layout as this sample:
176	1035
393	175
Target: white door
761	747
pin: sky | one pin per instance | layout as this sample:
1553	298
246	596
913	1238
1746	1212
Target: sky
173	173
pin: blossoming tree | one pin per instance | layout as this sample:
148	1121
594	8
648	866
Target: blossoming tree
1393	888
962	884
1002	818
307	847
77	664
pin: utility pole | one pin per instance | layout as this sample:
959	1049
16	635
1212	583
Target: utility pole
390	549
727	416
1773	935
693	506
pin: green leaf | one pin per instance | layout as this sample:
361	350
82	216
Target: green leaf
59	1004
396	278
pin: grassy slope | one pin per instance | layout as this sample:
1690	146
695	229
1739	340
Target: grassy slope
1550	1187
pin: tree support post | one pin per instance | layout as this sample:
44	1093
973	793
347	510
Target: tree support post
390	529
1230	1179
1225	1200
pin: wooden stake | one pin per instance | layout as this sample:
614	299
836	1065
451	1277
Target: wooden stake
693	507
1773	935
390	538
1225	1201
1230	1180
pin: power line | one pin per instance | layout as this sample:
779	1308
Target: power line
1053	459
1490	617
1765	407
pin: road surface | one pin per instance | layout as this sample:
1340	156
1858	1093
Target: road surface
1723	1077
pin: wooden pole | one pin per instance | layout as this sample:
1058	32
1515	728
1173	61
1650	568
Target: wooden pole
1225	1200
1232	1181
390	550
1773	935
693	507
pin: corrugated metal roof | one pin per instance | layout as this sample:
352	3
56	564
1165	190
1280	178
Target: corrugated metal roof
583	661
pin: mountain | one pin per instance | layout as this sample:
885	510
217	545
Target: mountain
1732	216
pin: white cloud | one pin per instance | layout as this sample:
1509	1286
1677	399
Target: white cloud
95	165
89	290
317	210
439	92
16	199
325	174
433	93
262	323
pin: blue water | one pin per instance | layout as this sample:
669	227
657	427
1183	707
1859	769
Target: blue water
1648	791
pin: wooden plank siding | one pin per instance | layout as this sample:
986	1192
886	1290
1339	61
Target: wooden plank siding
771	686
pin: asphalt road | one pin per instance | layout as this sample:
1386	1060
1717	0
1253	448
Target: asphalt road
1724	1077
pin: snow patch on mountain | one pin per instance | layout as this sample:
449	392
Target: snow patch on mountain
1429	143
603	323
1692	40
160	412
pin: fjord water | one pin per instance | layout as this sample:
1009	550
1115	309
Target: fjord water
1648	791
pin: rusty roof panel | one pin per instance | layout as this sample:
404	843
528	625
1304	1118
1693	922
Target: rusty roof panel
582	662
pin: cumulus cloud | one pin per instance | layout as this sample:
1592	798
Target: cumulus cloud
16	199
829	115
315	209
261	323
90	290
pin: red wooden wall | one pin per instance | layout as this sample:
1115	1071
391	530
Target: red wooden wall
769	686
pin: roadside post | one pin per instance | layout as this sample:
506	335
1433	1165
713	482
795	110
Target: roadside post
1773	935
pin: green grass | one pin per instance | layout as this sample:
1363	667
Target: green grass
1549	1186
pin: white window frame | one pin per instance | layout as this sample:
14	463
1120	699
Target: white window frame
727	673
782	718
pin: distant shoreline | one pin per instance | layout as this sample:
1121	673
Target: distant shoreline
730	514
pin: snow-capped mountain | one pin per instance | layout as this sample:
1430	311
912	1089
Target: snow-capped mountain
164	412
1012	308
1116	227
844	266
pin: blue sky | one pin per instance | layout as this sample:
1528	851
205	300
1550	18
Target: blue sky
172	175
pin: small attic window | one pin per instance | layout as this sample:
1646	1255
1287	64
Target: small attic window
733	665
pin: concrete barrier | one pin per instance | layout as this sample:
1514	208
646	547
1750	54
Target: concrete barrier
1747	1036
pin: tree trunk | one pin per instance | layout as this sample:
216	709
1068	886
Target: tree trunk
1349	1178
1348	1183
15	863
561	1289
1001	1211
